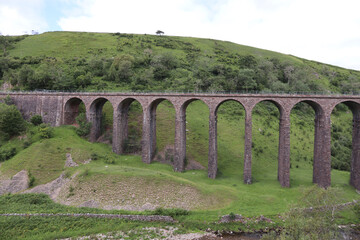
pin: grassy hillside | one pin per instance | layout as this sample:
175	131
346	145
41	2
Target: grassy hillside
122	62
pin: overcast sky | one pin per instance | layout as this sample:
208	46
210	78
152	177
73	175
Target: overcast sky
323	30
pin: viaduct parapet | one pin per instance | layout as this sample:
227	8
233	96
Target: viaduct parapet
58	108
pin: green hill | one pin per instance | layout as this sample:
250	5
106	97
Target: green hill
122	62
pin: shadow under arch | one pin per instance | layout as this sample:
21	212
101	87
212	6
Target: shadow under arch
268	128
121	126
199	146
230	129
95	117
71	110
321	160
355	143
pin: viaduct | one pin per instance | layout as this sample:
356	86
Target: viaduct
58	108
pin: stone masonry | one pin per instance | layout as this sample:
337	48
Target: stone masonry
58	108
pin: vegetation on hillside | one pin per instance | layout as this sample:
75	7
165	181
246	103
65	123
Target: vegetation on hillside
122	62
57	61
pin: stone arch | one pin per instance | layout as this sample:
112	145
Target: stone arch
322	135
235	135
94	116
153	108
120	126
228	100
355	154
282	154
180	133
71	110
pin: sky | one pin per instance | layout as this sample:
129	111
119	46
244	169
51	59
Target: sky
327	31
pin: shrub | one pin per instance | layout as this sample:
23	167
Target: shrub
46	131
84	126
31	179
36	120
11	121
7	153
314	218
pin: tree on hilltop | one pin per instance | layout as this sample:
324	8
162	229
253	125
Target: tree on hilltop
159	32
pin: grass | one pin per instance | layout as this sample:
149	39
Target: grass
226	194
264	197
74	44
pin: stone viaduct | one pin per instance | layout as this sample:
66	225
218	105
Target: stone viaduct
58	108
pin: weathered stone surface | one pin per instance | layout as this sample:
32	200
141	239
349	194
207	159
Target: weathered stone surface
17	183
52	188
61	108
69	161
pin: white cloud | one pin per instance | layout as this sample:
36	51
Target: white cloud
18	17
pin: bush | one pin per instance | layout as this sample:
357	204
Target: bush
314	219
31	179
36	120
84	126
11	121
46	131
7	153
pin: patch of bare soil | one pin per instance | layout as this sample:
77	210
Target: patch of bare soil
167	157
134	193
17	183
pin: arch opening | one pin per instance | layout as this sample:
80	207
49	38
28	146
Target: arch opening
230	138
128	125
306	140
100	114
164	139
265	141
196	116
345	143
73	107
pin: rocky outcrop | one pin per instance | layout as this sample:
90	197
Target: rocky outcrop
17	183
69	161
52	188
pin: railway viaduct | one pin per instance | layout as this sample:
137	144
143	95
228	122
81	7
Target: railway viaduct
58	108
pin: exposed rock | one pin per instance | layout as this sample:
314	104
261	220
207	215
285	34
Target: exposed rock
52	188
90	204
17	183
69	161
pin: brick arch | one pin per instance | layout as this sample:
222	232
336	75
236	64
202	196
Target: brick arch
71	110
213	151
187	102
180	132
120	123
318	107
94	116
283	156
355	155
152	130
228	100
278	104
322	146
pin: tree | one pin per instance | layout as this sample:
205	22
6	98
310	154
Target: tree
11	121
159	32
